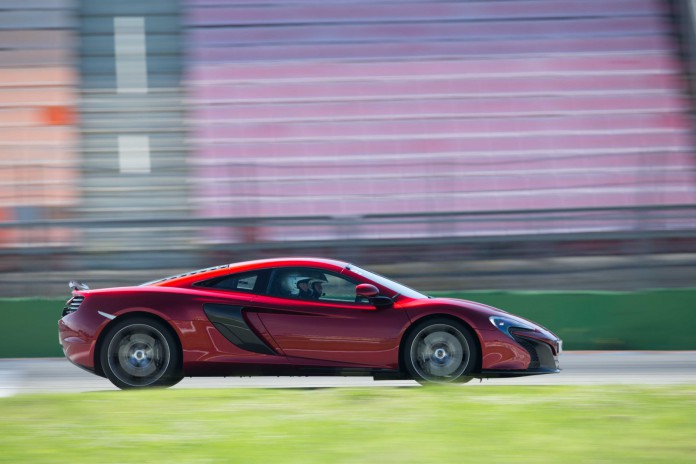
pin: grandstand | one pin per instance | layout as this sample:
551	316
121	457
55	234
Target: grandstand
38	138
350	109
167	135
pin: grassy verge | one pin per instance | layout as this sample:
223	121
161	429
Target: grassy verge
409	425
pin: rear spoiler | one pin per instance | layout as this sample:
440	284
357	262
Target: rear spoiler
75	285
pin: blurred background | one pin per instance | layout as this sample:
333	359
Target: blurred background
502	144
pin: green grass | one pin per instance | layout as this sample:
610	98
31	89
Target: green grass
407	425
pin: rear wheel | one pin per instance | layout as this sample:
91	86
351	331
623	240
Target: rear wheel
440	351
140	352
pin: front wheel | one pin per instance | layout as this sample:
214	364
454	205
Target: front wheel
140	352
440	351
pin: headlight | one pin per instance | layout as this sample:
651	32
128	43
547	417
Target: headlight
504	324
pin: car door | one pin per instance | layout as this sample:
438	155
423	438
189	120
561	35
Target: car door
332	330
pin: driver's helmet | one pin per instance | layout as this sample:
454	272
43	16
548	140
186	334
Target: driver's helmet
291	283
317	281
314	281
305	280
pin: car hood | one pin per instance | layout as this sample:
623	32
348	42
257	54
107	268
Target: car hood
481	310
469	305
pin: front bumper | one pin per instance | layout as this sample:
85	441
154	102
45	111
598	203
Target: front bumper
543	352
520	352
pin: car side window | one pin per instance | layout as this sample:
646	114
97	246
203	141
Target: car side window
338	289
246	282
312	284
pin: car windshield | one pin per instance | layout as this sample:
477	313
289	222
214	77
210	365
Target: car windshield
381	280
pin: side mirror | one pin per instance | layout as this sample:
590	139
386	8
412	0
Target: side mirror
366	290
371	292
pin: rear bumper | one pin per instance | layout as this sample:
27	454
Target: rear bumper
77	345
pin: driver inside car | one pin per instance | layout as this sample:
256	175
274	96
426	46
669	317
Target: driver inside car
304	290
316	286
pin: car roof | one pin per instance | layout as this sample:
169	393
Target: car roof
189	278
288	261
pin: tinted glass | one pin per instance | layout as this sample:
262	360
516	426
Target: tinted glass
246	282
312	284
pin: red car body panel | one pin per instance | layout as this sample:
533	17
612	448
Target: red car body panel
294	333
344	333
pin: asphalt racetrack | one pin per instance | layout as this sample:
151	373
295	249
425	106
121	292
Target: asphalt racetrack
57	375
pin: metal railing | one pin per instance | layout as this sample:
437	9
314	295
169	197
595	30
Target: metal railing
609	248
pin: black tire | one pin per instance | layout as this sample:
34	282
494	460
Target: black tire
139	353
440	350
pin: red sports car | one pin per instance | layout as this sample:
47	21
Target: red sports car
294	316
